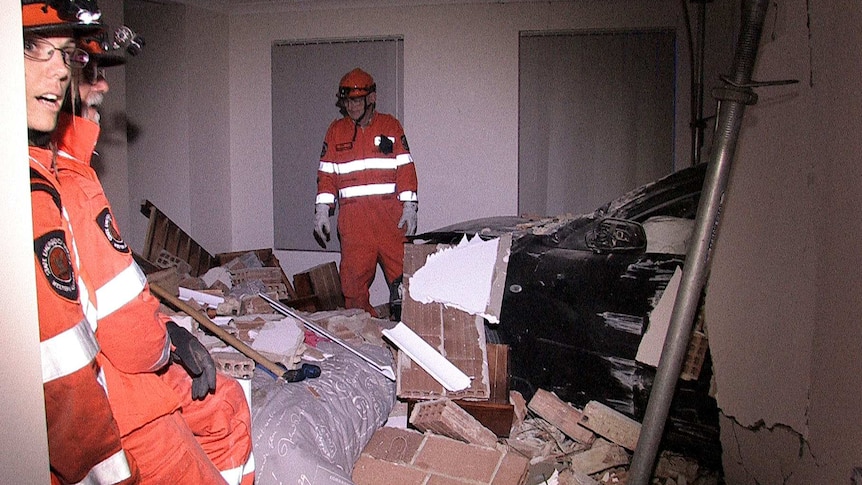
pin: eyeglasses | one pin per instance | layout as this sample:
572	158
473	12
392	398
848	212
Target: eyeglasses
39	49
92	73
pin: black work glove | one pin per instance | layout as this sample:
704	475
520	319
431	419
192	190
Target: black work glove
195	359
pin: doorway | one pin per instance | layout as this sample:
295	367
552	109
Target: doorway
596	117
305	77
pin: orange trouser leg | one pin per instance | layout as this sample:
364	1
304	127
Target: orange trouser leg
369	234
167	454
221	422
358	265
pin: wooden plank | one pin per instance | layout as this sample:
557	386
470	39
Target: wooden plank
611	424
498	372
561	414
324	283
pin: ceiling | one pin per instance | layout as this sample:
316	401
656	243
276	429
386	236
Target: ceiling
251	6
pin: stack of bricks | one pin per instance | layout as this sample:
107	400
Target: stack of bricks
409	457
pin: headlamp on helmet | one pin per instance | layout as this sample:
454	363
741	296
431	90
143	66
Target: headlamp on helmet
47	16
109	48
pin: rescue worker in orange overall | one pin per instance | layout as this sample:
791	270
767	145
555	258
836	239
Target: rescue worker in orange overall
366	166
83	438
183	422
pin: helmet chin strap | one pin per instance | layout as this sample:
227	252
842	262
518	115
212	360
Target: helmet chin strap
357	122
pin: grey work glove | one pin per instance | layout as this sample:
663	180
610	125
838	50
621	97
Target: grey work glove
195	359
410	217
321	223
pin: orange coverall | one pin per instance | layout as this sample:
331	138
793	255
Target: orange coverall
174	439
83	437
371	187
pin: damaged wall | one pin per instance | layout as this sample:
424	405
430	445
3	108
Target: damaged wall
783	296
783	292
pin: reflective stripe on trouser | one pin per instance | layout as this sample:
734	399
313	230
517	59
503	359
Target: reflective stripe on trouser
369	234
243	475
113	469
221	423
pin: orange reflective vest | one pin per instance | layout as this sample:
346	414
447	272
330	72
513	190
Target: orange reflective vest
131	330
83	437
370	172
376	161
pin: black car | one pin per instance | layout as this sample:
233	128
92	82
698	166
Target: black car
578	296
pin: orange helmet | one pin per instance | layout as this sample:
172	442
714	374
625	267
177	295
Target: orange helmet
356	84
49	16
98	55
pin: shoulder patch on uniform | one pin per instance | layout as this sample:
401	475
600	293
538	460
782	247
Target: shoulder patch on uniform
323	150
404	142
344	146
56	263
105	220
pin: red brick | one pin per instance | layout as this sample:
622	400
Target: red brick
371	471
394	444
441	480
513	470
457	459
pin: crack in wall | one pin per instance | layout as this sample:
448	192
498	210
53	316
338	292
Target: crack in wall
803	449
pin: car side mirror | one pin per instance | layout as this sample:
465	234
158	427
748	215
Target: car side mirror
616	236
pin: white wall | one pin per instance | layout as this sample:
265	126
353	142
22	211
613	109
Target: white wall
461	108
23	436
460	92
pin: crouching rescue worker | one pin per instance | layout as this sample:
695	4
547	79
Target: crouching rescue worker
84	444
183	422
366	166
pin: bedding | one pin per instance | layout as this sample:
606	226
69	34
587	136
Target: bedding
312	432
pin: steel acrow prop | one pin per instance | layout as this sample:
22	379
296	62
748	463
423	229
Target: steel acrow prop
732	101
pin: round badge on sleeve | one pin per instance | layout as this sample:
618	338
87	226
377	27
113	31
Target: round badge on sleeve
106	222
56	263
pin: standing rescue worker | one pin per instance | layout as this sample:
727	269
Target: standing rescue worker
183	422
366	166
83	438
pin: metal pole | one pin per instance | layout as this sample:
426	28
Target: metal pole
734	98
697	76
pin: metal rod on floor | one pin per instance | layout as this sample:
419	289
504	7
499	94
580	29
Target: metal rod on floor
734	97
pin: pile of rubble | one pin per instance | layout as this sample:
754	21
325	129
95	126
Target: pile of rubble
550	442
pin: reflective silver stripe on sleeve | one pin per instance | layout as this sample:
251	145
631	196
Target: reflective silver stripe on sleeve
325	199
404	159
408	196
326	167
362	190
68	352
113	469
166	354
123	288
90	311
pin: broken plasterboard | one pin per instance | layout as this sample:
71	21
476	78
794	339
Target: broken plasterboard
443	371
469	277
649	350
454	333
